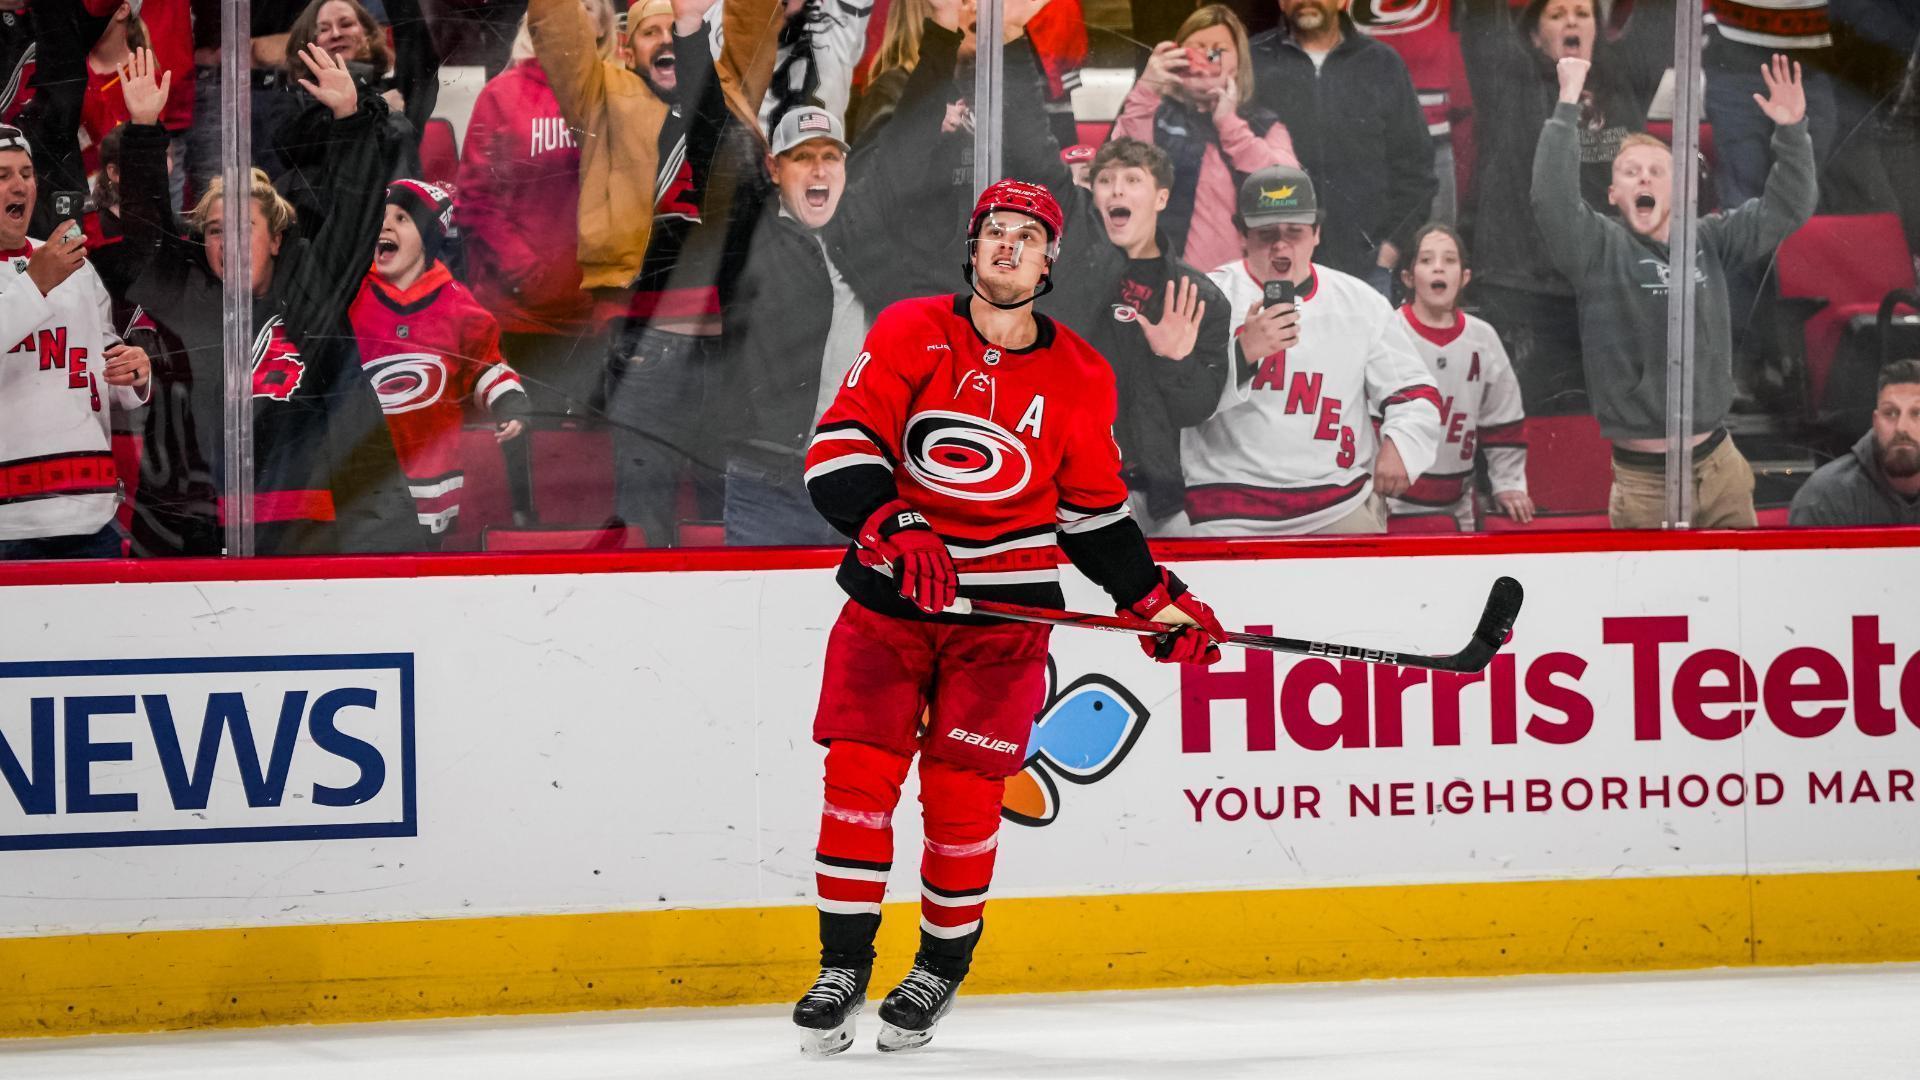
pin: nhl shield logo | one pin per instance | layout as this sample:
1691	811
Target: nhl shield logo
992	356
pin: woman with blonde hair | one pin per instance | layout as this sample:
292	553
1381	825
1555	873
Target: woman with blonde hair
325	476
1195	101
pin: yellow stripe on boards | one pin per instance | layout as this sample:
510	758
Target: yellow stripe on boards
555	963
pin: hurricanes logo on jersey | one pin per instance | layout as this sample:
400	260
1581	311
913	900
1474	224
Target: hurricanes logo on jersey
277	367
408	381
965	457
1382	17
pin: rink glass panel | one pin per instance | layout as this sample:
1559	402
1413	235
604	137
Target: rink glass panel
635	404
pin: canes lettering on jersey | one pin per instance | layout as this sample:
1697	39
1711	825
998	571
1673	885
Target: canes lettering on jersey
1479	409
50	344
1291	448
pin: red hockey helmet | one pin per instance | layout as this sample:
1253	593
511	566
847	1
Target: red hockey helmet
1021	197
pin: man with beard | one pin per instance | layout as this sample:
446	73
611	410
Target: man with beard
1349	104
1620	273
1879	483
648	142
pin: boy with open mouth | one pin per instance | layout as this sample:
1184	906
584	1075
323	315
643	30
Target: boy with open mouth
430	350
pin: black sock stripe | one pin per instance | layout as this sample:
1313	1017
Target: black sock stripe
853	864
955	894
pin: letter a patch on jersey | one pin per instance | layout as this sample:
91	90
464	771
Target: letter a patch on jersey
1030	420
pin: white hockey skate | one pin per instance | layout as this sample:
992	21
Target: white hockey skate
914	1008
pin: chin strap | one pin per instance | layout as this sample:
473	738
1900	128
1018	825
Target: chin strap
1045	287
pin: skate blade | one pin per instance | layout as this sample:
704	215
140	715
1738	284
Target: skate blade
894	1039
825	1044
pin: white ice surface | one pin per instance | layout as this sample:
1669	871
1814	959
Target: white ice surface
1799	1023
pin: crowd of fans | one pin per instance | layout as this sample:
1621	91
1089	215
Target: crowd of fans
1336	257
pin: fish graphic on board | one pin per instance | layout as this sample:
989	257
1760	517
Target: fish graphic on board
1082	734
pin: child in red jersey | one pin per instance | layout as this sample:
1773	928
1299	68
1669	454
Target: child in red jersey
430	348
969	448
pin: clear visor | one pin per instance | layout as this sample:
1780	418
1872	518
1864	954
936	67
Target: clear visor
1016	231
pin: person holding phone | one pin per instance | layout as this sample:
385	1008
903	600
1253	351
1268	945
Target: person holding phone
62	372
1195	101
1318	355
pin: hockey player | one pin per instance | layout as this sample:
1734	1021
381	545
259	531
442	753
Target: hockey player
969	447
1479	395
429	348
62	370
1292	447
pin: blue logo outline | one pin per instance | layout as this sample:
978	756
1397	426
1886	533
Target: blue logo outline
407	825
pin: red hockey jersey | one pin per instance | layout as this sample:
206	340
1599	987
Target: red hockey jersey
1009	453
428	351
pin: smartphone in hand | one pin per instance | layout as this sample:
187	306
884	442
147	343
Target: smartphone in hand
69	206
1276	292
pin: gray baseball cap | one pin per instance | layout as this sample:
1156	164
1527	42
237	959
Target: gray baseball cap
805	124
1278	195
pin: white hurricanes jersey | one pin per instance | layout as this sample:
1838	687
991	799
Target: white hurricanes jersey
1291	447
56	447
1479	408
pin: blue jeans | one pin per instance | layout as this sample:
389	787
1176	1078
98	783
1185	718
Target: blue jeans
104	544
656	406
763	510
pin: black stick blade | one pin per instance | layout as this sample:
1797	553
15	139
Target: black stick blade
1503	607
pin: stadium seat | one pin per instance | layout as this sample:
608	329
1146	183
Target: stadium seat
573	473
1569	465
1836	267
1548	523
1772	517
702	534
612	537
439	152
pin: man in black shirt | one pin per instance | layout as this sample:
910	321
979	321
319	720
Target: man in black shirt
1350	108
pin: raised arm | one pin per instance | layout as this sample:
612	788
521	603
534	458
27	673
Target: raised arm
357	142
1571	229
146	211
1751	232
563	42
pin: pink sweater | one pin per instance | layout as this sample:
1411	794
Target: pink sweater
1212	241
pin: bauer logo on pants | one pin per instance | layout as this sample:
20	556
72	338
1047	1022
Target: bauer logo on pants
116	753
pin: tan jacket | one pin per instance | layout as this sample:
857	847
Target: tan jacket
616	118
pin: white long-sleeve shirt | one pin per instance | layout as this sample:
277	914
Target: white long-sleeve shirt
1291	448
1479	408
56	445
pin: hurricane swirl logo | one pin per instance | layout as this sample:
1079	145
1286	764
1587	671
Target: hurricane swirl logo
965	457
408	381
1382	17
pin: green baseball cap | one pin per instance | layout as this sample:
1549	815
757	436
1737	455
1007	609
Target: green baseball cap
1278	195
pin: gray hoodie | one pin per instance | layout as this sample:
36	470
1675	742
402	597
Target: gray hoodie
1620	279
1852	490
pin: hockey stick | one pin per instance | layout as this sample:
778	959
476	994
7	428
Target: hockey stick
1496	624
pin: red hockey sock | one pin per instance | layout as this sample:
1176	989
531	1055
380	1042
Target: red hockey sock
961	809
856	848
